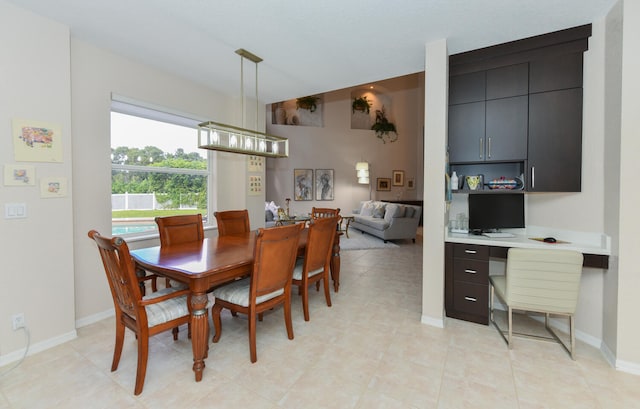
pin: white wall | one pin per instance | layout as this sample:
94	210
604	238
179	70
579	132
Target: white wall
36	252
337	146
628	341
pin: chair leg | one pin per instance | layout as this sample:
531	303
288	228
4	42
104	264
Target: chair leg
572	335
305	302
509	341
175	332
287	316
117	351
143	355
327	293
217	323
252	337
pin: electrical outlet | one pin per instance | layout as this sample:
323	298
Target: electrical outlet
17	321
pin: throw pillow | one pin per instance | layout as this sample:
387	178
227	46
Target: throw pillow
392	211
367	209
378	211
409	212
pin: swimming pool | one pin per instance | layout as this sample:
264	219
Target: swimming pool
132	228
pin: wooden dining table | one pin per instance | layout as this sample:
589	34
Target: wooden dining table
208	263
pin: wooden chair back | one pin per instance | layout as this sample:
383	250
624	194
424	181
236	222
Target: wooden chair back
232	222
180	229
321	212
120	270
322	233
274	257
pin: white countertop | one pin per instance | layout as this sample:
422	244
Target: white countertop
584	242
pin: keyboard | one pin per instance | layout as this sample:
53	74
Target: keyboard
498	235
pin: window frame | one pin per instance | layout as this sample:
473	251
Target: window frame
131	107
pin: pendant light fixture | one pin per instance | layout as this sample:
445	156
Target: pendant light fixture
228	138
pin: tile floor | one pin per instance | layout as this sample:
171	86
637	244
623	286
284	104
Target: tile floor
367	351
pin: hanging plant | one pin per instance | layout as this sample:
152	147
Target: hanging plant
384	129
360	104
309	103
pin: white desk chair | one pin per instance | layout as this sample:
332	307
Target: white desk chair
539	280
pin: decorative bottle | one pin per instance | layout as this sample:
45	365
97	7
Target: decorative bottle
454	181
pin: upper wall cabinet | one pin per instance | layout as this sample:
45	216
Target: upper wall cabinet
488	115
521	102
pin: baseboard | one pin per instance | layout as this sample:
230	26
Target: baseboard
434	322
39	347
622	366
608	355
92	319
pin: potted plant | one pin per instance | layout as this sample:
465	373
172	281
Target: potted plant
309	103
384	129
360	104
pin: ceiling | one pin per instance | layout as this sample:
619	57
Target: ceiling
308	47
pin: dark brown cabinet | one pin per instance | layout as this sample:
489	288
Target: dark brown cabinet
466	282
531	114
555	141
488	115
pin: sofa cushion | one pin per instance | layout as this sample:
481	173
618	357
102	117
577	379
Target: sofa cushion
409	211
378	224
393	210
378	210
366	209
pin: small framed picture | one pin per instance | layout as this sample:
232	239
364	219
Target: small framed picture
383	184
411	183
398	178
324	184
303	184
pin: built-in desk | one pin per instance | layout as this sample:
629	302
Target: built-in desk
467	264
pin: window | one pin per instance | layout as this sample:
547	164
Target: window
156	168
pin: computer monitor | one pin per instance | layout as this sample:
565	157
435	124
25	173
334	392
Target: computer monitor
494	211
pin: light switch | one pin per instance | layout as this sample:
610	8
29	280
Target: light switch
15	210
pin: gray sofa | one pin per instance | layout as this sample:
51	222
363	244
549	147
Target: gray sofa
388	221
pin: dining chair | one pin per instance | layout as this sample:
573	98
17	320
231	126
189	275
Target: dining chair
268	286
232	222
179	229
320	212
146	316
543	281
314	267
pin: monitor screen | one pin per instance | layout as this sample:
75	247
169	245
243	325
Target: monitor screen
489	212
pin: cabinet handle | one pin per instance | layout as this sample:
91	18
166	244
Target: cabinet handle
470	251
470	271
489	148
533	177
481	147
470	299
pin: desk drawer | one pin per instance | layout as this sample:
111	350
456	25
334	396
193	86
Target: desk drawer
471	251
470	270
471	298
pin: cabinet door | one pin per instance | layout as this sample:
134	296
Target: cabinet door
467	88
556	73
466	132
509	81
555	141
506	129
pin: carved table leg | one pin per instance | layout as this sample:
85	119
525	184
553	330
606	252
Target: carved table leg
334	264
199	332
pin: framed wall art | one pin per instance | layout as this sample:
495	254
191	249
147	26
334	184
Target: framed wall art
255	185
324	184
383	184
398	178
36	141
411	183
53	187
19	175
303	184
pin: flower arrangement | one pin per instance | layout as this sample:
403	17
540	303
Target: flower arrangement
384	129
